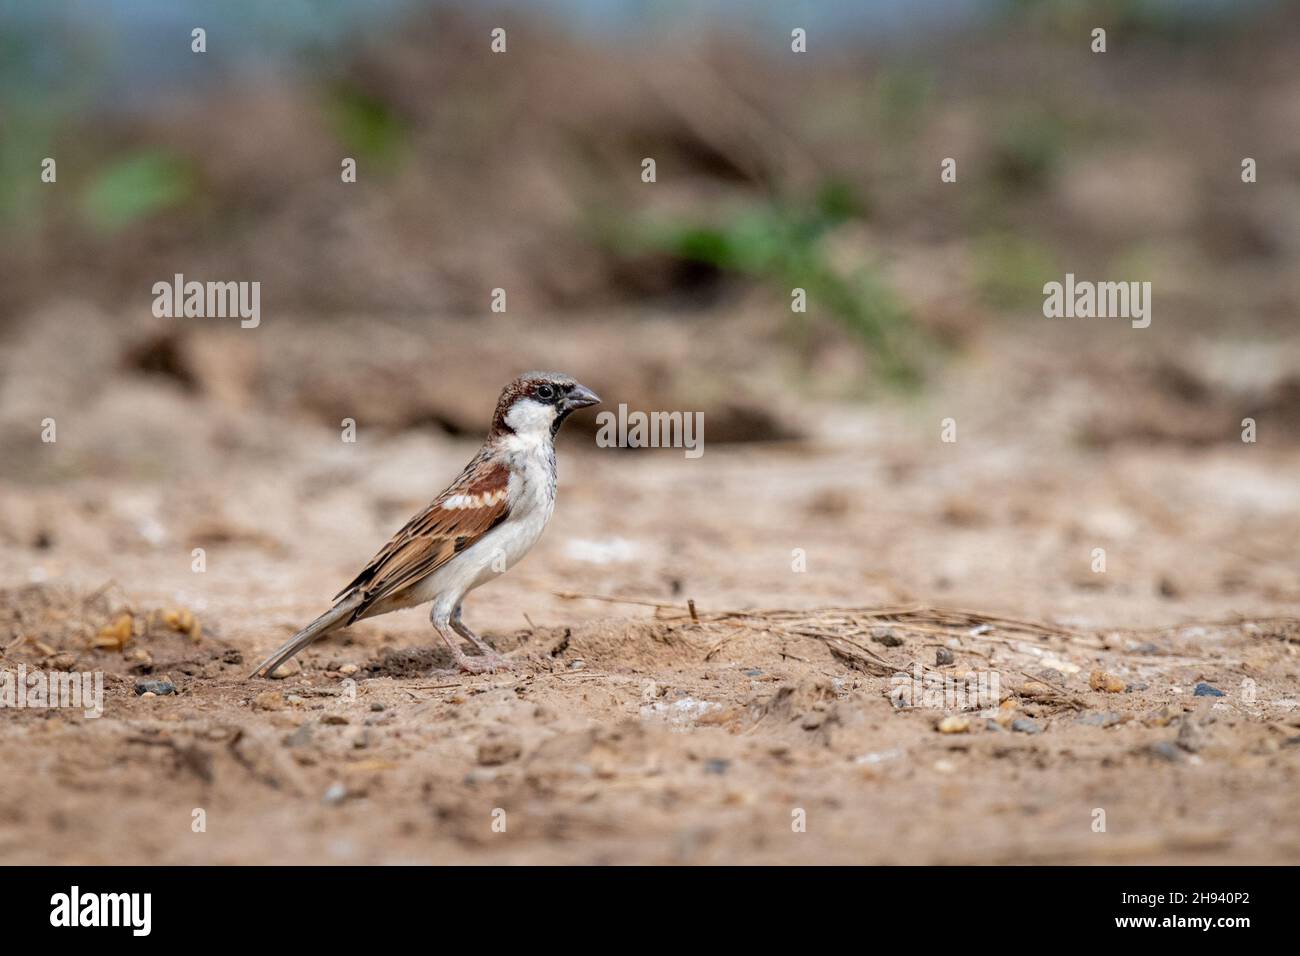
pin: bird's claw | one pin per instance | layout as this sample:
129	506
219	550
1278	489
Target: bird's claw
485	664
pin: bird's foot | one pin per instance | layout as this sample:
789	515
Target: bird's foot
484	664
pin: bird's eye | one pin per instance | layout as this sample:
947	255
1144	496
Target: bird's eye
545	392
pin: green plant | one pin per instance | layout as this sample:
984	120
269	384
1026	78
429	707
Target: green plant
135	188
367	126
783	244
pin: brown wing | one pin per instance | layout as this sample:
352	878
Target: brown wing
471	506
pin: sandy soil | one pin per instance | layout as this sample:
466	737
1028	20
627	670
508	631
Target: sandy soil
634	733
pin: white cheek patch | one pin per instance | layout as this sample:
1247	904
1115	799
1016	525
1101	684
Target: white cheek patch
483	500
528	417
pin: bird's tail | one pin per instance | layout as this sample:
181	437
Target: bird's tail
336	617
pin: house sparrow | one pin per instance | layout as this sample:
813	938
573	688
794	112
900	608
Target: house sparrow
484	522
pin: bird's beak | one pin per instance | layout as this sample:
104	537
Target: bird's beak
580	397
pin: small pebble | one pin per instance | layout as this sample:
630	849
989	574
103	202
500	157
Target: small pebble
336	793
954	724
376	706
290	668
269	700
886	636
335	719
147	694
1024	725
717	765
1004	718
157	688
943	656
1207	690
347	670
1109	683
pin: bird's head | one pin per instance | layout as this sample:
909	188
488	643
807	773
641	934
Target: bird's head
538	403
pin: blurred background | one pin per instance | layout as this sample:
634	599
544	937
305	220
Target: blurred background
775	170
824	480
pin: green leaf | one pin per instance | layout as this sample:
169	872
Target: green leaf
136	188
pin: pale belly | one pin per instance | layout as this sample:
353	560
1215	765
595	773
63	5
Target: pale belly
496	552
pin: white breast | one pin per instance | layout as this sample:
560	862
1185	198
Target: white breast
531	498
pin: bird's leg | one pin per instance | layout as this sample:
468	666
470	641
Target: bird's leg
470	665
485	649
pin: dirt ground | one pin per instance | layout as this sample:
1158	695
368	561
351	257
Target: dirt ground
709	648
633	732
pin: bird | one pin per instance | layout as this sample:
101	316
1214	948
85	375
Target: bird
481	525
